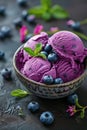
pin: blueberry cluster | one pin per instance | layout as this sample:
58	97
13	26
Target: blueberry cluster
25	16
47	117
18	22
49	80
52	58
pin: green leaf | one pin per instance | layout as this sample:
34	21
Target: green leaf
37	11
46	4
58	12
41	55
29	51
38	48
82	114
46	16
19	93
81	35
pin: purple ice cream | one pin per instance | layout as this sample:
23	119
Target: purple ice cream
40	38
35	68
20	59
71	53
68	45
65	71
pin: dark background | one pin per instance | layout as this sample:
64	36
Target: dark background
10	120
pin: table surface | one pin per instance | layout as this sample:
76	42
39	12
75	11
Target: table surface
10	120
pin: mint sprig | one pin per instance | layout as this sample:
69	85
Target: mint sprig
46	11
36	51
19	93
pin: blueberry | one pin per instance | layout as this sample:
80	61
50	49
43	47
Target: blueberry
1	55
76	26
2	36
31	19
6	31
58	81
18	22
2	10
72	98
47	79
22	2
33	106
24	14
47	118
48	48
6	73
52	57
45	53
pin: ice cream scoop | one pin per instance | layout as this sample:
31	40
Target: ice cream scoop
35	68
40	38
65	71
68	45
51	72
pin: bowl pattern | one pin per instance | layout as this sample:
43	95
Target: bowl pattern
49	91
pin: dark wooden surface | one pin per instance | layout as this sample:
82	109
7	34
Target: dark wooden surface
10	120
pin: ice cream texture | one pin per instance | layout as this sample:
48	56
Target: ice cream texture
68	45
70	50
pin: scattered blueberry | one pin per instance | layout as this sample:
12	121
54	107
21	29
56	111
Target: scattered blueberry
76	26
2	36
22	2
72	98
44	52
31	19
6	73
18	22
48	48
1	55
6	31
47	79
24	14
52	57
2	10
47	118
58	81
33	106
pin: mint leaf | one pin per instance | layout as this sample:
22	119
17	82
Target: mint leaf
29	51
38	48
37	11
47	16
82	114
19	93
46	4
58	12
41	55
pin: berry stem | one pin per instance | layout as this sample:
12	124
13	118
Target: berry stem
78	105
83	22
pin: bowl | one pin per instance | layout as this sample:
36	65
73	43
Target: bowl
49	91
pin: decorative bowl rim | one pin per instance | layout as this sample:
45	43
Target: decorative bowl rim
42	84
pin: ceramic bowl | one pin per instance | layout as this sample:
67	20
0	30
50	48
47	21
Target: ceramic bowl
49	91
